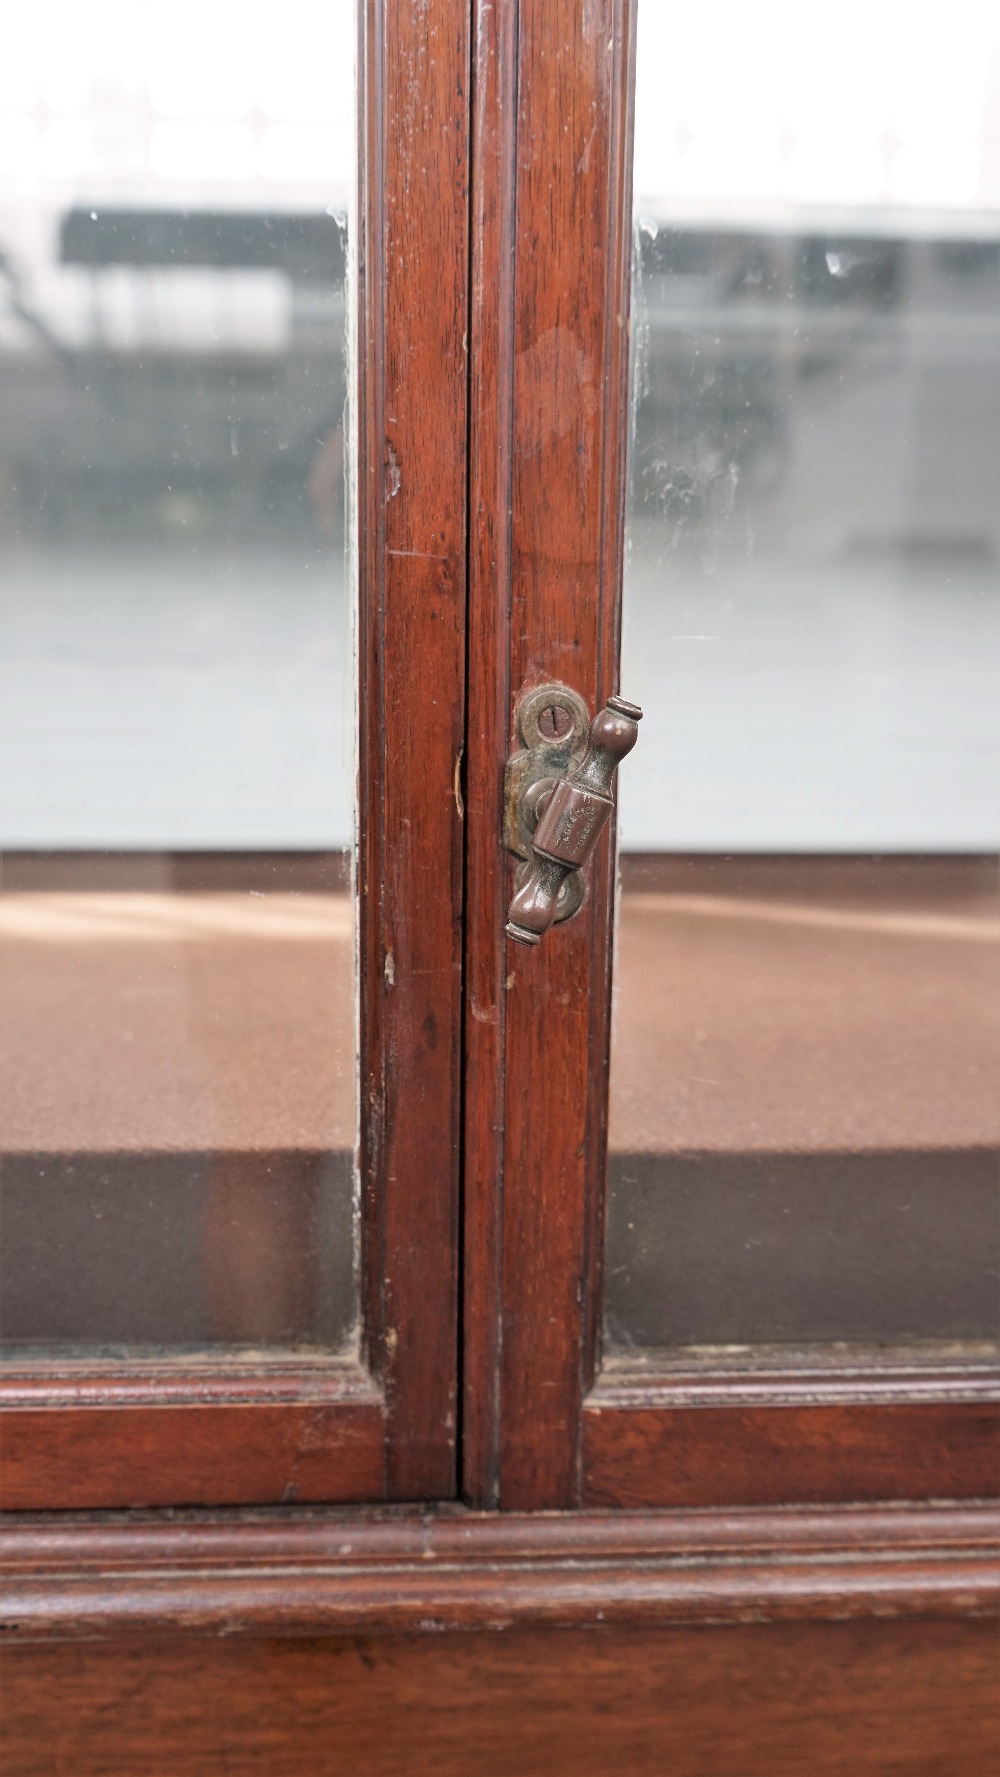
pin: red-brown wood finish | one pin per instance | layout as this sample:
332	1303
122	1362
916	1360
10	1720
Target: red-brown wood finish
799	1440
339	1572
184	1435
412	494
549	348
913	1698
172	1435
491	414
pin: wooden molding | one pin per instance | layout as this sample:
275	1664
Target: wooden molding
340	1572
840	1381
795	1436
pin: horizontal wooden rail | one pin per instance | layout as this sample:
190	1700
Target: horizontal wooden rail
398	1570
197	1435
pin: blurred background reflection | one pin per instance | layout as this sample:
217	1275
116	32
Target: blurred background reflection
176	677
805	1089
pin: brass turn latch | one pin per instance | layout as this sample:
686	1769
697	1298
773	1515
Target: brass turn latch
558	799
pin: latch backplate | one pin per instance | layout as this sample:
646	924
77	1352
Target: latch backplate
553	722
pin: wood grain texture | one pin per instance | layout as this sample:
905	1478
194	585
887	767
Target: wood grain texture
792	1439
491	415
549	350
299	1573
911	1698
184	1438
412	504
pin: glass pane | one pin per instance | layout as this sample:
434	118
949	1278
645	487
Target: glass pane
177	770
805	1088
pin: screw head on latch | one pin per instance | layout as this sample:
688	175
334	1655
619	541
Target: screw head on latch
554	722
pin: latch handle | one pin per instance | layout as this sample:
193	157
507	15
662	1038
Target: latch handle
573	815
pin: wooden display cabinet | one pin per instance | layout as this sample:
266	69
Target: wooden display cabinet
477	1547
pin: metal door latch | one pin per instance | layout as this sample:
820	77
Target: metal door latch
558	797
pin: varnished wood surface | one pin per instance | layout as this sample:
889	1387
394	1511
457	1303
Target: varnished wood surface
911	1699
412	542
654	1452
297	1572
548	331
240	1453
491	417
187	1437
563	612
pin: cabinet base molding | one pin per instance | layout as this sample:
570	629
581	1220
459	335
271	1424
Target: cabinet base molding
336	1572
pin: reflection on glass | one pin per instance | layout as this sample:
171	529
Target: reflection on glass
805	1089
177	1121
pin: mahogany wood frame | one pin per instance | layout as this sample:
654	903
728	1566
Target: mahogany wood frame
551	248
550	270
231	1432
674	1601
340	1572
392	1640
494	345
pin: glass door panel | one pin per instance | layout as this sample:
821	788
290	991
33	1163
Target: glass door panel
806	1052
177	707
